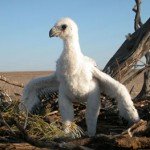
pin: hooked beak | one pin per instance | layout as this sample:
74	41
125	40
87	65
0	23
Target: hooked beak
54	32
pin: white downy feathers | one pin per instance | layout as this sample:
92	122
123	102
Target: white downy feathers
78	79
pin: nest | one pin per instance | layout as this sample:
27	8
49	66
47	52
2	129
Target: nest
44	127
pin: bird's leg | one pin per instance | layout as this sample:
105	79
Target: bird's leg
66	111
92	110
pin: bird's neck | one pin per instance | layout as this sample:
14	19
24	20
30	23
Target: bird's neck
72	46
72	55
72	49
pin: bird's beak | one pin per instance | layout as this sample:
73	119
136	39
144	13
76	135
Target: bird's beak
54	32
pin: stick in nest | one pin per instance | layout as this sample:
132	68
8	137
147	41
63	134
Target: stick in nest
5	123
4	79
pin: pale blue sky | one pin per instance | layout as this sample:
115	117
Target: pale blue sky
24	27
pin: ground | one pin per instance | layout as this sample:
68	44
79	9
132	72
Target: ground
108	123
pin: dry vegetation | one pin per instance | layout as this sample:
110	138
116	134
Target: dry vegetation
44	131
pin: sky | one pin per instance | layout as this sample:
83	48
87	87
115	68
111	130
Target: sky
25	24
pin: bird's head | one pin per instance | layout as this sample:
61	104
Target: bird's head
64	28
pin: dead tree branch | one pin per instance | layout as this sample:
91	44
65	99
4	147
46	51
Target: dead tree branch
4	79
135	74
130	52
137	21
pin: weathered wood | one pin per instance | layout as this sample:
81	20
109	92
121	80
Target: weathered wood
135	74
129	53
145	92
137	10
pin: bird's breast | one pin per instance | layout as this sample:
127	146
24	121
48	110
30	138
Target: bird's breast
75	77
76	85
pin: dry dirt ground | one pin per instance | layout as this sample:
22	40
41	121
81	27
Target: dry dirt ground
19	77
106	123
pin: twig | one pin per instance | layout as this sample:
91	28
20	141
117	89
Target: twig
138	66
52	113
5	94
143	62
131	89
130	131
5	123
4	79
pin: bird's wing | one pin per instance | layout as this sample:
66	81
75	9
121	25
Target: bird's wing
116	90
36	88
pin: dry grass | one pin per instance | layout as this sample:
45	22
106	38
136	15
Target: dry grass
35	125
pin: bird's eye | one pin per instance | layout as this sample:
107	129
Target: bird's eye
64	26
